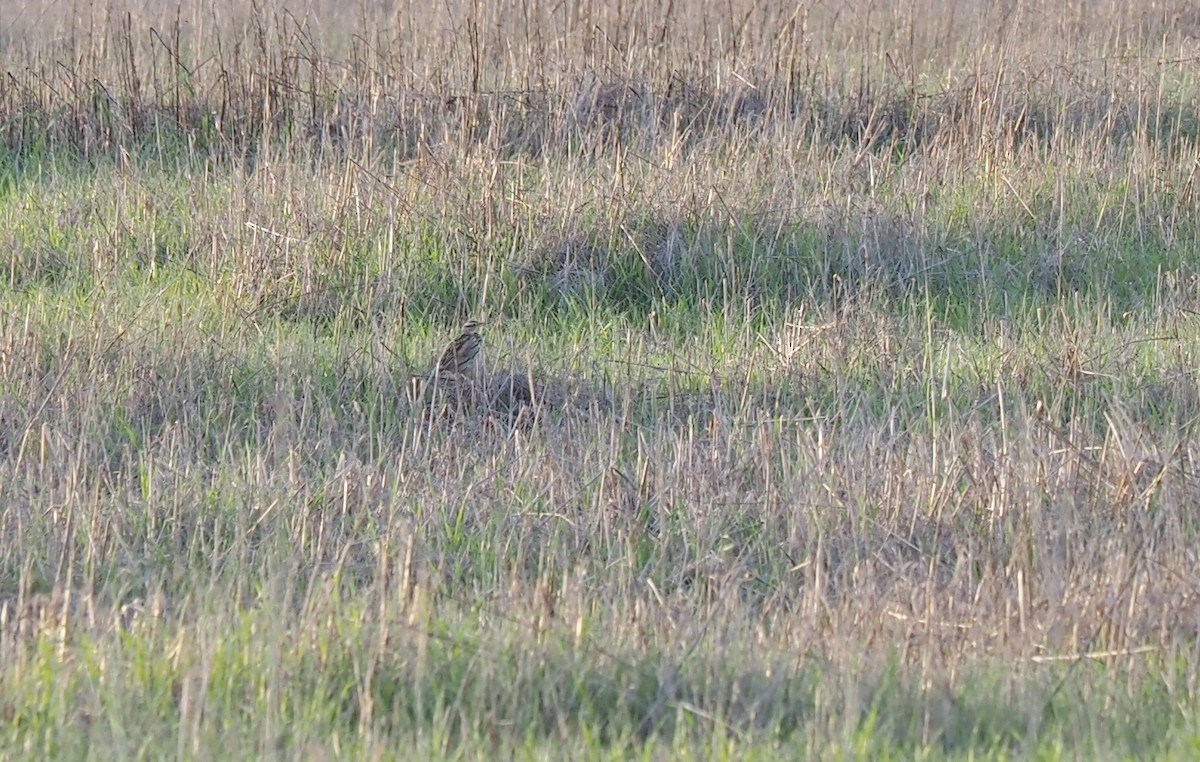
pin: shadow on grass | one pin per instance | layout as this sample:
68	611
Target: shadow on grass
543	693
957	259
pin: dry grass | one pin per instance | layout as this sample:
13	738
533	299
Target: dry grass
841	396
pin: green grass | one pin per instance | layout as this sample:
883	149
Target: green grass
865	345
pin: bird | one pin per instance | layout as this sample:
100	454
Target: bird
462	356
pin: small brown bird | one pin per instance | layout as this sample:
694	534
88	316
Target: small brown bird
462	356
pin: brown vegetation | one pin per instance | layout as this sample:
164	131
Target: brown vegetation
844	343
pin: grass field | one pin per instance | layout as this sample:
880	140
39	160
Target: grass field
864	340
